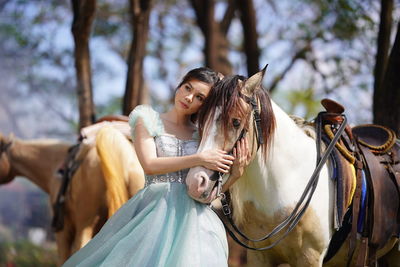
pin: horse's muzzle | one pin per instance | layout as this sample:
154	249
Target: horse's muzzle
199	185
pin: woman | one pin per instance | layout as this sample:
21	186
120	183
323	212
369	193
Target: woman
161	225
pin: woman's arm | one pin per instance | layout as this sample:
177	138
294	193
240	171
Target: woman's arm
151	164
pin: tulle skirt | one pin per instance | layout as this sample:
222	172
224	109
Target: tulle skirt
160	226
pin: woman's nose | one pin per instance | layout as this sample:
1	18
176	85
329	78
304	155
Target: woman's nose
189	98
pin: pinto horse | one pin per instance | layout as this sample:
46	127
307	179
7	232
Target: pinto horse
107	168
283	158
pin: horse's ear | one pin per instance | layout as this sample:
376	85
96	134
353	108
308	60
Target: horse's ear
254	82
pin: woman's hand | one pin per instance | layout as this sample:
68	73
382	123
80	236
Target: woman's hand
216	160
242	158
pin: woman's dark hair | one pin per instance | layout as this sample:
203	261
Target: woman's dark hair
202	74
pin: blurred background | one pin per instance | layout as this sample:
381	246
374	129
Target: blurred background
64	64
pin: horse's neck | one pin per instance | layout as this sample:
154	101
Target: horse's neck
285	171
291	150
38	160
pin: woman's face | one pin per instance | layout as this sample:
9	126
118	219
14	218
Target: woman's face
191	95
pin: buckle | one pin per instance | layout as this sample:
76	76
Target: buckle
226	210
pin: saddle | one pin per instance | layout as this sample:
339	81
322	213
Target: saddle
374	152
380	153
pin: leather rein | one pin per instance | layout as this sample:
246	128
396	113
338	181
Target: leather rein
292	220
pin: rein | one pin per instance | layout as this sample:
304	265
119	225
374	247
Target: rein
292	220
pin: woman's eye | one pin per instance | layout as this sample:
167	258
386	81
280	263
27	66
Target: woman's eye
188	88
200	98
236	123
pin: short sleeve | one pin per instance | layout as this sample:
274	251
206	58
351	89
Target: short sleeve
151	120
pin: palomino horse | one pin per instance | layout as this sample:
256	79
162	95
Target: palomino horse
283	158
93	194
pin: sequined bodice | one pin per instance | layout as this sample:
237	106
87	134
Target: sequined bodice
170	146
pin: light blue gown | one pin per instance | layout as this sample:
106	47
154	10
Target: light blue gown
161	226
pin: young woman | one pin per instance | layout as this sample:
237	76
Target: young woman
161	226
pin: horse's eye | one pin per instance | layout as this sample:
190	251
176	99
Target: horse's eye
236	123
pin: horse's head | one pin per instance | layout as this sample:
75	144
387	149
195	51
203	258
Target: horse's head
5	166
235	108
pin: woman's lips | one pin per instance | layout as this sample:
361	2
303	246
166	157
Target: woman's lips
184	105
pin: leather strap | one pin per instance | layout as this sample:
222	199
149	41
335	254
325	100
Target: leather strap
71	165
292	220
362	253
356	205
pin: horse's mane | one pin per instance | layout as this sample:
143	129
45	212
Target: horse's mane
307	127
226	94
115	153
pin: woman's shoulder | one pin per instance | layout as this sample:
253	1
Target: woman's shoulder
150	118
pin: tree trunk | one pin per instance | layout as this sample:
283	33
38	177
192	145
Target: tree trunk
84	12
382	55
216	44
134	90
250	35
389	114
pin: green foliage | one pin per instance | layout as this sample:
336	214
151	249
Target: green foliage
341	17
331	38
306	101
13	32
26	254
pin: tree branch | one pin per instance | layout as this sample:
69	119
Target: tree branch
228	17
300	54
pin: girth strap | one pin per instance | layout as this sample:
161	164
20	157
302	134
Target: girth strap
70	165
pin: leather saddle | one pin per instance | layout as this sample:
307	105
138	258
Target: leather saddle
377	148
380	152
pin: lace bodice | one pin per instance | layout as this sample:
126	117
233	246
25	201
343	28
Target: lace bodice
170	146
166	145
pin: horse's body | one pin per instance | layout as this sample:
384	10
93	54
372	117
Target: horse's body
88	199
272	183
261	204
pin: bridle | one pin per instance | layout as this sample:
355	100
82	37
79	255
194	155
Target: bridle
218	176
292	220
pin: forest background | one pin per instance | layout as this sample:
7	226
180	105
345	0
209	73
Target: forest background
64	64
